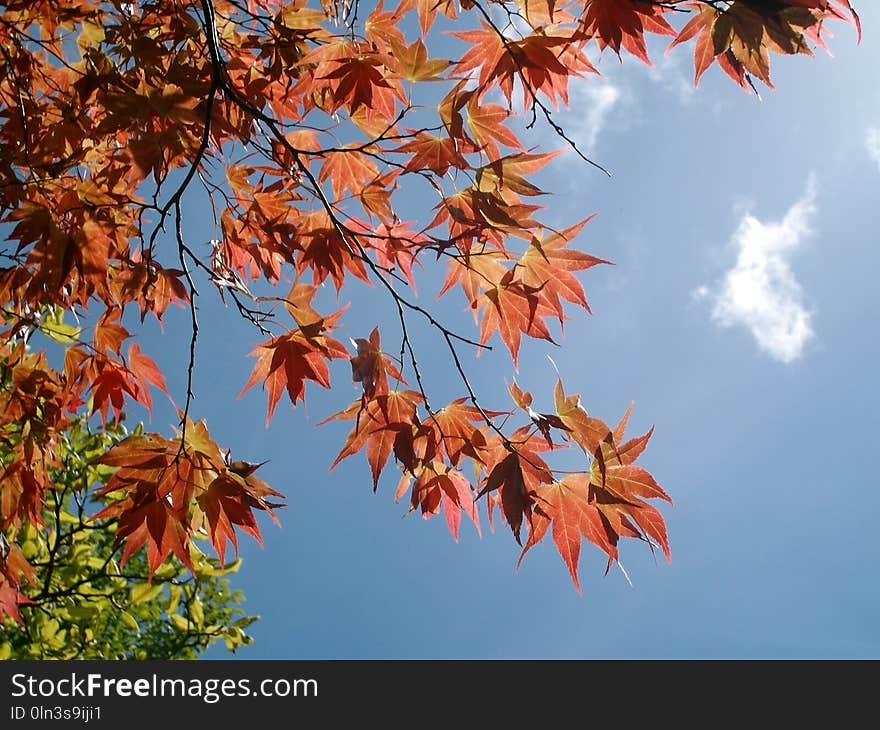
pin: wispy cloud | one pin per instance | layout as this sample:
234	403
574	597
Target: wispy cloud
674	73
760	292
592	100
873	144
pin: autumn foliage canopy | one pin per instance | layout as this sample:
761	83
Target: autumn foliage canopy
305	124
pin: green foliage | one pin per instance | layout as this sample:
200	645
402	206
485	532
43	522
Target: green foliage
85	606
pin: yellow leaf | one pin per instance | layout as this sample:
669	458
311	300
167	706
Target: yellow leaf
92	32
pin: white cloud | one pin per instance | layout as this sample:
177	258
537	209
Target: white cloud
760	292
873	144
592	99
675	74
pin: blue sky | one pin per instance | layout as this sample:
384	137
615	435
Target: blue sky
741	317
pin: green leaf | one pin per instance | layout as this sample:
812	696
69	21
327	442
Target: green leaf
175	592
84	612
54	328
246	621
181	622
198	613
145	592
130	621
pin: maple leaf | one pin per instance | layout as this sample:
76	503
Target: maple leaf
21	496
364	81
150	477
515	473
513	308
486	124
544	421
619	489
508	174
376	197
348	169
109	333
151	521
486	50
565	505
522	399
427	10
10	599
325	252
601	506
157	480
616	23
433	152
586	431
507	477
474	271
110	385
371	367
14	572
456	430
286	362
437	486
153	287
542	61
396	247
112	380
299	304
145	372
381	27
485	215
414	64
377	424
547	264
227	503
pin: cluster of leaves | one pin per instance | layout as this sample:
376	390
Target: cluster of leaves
75	601
306	125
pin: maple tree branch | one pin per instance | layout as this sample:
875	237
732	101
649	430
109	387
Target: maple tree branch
174	201
53	549
472	395
405	342
194	322
346	234
382	137
673	4
353	14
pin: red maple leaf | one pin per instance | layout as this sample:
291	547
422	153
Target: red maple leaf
513	308
549	265
616	23
378	422
371	367
514	473
228	502
437	486
566	506
286	362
